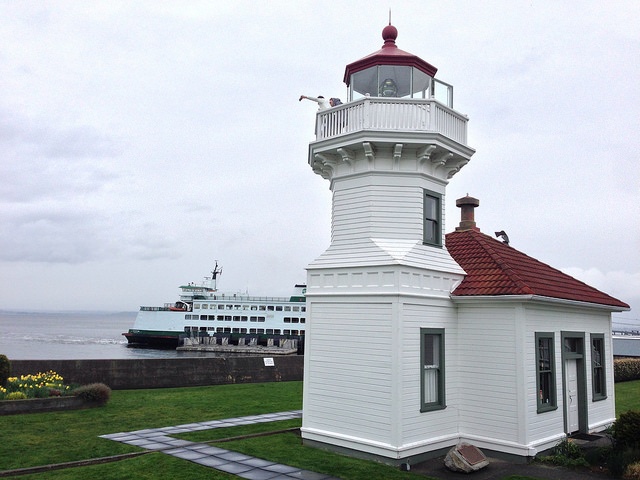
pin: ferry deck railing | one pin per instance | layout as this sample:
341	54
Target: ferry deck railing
392	114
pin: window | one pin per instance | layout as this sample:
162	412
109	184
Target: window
432	364
432	218
545	372
599	385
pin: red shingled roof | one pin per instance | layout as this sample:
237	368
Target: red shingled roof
494	268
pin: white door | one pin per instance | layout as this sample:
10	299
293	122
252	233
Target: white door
571	402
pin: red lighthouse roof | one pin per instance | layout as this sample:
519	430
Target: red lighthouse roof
389	54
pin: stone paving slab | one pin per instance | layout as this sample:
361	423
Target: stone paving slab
244	466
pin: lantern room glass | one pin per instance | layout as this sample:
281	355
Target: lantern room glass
396	81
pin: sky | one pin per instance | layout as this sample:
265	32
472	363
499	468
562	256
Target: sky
142	141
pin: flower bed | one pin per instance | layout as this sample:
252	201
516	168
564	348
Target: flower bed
40	385
46	392
39	405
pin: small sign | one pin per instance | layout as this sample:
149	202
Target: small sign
268	362
471	454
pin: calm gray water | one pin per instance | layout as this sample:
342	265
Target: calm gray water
71	336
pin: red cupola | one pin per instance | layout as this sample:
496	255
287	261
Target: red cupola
391	72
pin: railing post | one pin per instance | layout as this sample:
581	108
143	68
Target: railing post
366	111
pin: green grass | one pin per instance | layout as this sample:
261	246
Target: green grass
156	466
627	396
40	439
44	438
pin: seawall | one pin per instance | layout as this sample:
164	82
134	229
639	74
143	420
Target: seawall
125	374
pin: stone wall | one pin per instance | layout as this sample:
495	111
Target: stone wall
168	372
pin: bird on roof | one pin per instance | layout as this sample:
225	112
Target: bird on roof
502	234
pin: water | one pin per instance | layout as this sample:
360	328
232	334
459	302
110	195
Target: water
72	336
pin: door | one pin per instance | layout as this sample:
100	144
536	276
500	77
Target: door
572	392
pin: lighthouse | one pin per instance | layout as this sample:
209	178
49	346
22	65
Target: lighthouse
378	299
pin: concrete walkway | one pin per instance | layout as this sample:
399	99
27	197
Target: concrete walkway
243	466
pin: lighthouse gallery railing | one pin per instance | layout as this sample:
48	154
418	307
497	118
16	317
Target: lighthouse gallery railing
395	114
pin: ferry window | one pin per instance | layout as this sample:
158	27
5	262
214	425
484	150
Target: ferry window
287	319
186	329
295	320
269	331
237	307
220	330
294	332
302	320
243	330
270	308
227	318
260	330
243	319
229	307
235	330
262	308
245	307
254	307
227	330
276	331
196	306
287	309
261	319
221	318
205	306
303	309
236	318
252	330
211	329
278	308
221	307
203	329
296	309
253	319
287	332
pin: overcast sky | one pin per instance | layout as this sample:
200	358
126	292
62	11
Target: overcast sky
142	141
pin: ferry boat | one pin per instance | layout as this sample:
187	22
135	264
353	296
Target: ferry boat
204	312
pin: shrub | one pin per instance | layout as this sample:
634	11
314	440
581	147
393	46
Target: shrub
5	370
626	431
619	460
16	396
94	392
567	454
632	472
626	369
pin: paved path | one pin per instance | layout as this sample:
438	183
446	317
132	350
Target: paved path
244	466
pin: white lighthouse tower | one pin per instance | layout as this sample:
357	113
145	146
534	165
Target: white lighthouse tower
378	298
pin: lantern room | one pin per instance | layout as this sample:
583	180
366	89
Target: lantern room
391	72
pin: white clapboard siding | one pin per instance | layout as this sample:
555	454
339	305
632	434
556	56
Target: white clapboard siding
377	211
348	385
555	319
422	426
488	380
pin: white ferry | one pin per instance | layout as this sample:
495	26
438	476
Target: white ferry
202	311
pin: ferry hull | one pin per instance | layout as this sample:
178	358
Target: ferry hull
154	340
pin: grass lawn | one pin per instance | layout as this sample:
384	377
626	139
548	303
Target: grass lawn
40	439
627	396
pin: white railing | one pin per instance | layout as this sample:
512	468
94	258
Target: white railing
396	114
